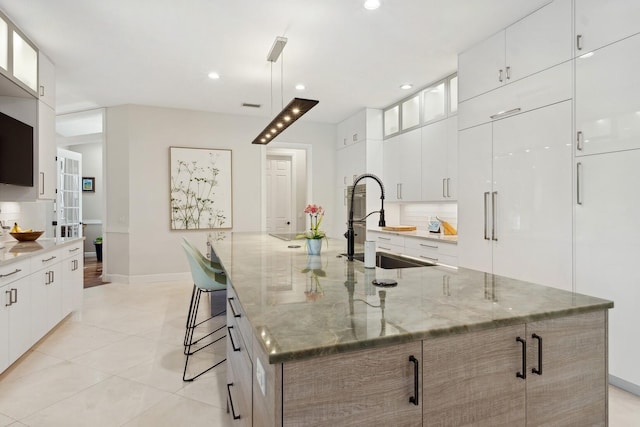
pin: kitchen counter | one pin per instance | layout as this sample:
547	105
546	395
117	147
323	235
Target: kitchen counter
307	306
311	341
15	251
423	234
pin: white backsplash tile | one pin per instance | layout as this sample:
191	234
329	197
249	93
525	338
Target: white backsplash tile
36	215
419	214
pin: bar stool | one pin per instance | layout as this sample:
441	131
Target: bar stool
205	279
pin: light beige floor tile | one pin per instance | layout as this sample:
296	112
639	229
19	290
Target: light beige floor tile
624	408
120	356
30	362
211	388
28	394
72	339
178	411
5	421
163	372
110	403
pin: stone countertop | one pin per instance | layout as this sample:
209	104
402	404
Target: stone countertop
304	306
17	251
423	234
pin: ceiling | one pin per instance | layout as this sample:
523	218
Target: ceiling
159	52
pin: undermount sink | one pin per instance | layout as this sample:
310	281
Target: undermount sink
390	261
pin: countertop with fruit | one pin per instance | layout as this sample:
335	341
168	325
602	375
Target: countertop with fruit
27	243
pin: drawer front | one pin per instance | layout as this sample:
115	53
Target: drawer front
239	386
237	319
450	249
14	271
72	250
386	239
46	259
422	248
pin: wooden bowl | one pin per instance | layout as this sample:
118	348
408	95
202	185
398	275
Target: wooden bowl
27	236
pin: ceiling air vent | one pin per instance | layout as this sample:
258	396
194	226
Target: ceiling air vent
249	105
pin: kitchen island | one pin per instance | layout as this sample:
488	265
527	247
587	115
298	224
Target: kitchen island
311	341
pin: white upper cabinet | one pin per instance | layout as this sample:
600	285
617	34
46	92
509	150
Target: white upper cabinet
365	124
599	23
351	162
4	44
536	42
47	81
25	62
440	160
402	168
434	103
392	121
608	106
411	112
47	175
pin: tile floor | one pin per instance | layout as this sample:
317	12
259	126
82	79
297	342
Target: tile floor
119	362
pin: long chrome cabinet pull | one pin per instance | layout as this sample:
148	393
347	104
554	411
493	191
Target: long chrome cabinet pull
486	214
579	141
17	270
578	179
505	113
538	370
494	214
416	381
523	374
444	184
448	187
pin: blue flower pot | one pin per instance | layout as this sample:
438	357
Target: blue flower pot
314	246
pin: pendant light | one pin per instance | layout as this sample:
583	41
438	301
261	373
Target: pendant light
289	114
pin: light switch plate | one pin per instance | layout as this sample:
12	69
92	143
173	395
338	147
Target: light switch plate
260	376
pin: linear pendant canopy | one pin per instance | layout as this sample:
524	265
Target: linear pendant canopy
292	112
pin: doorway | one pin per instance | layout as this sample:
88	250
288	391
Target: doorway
285	189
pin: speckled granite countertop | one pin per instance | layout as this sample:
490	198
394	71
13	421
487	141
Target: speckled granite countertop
304	306
423	234
17	251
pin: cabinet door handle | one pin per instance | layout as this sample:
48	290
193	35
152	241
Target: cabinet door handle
49	259
9	303
508	73
386	249
424	245
14	295
448	187
504	113
416	381
444	191
41	90
233	344
429	258
41	182
17	270
494	205
486	214
74	249
233	310
500	76
578	181
383	238
579	41
538	370
579	141
523	374
233	411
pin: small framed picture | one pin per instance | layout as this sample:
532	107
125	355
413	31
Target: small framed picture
88	184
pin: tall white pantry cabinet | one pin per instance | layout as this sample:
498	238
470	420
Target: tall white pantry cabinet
581	202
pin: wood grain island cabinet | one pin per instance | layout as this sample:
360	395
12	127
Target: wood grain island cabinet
322	346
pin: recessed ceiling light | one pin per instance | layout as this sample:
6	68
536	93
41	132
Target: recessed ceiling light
406	86
371	4
213	75
300	86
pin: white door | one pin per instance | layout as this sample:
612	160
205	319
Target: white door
607	249
70	186
599	22
481	68
279	203
434	161
532	187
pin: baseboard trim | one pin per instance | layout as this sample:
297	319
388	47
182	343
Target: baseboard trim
625	385
147	278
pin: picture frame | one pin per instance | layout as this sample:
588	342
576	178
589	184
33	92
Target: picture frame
200	188
88	184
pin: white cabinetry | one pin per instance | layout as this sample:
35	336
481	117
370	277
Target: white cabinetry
608	113
440	160
365	124
514	196
46	293
430	250
402	176
47	81
536	42
351	162
15	333
46	152
72	277
598	23
607	249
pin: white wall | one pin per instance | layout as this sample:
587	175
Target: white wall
139	245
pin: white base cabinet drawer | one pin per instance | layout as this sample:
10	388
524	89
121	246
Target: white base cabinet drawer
14	271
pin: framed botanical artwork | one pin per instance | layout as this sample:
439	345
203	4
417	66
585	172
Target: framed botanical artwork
200	188
88	184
